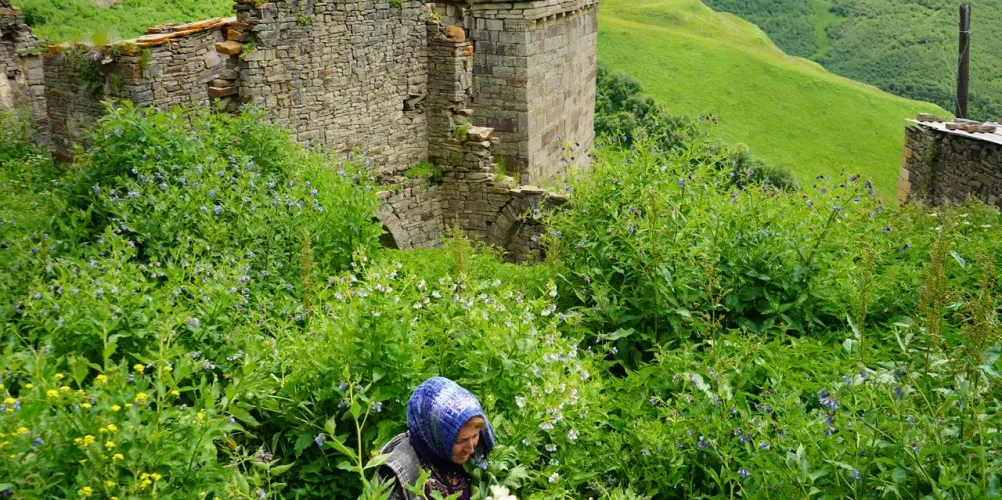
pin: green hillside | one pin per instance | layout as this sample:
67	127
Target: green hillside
790	111
83	20
906	47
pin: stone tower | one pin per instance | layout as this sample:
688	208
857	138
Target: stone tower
534	67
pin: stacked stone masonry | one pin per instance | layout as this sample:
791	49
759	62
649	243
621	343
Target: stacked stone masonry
941	167
22	78
385	81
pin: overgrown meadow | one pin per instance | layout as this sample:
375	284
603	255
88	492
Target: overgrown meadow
198	309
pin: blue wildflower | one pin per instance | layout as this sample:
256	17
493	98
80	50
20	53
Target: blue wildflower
319	439
827	400
743	472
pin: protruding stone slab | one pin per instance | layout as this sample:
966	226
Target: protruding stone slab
229	47
221	91
479	134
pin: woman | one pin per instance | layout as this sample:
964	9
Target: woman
446	427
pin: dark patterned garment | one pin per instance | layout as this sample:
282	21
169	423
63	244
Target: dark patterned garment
436	412
446	478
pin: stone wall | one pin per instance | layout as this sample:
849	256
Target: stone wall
487	207
344	75
948	166
534	79
170	66
22	82
386	81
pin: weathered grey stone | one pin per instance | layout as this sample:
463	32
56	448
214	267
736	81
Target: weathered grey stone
379	79
947	167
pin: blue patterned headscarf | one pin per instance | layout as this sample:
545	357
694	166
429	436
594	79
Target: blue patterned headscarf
438	409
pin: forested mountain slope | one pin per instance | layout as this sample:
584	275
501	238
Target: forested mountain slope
790	111
906	47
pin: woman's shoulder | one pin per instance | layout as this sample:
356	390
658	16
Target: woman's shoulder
403	461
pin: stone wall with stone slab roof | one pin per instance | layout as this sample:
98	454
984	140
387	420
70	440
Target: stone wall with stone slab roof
945	167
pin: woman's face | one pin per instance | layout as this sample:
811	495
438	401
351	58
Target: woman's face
466	442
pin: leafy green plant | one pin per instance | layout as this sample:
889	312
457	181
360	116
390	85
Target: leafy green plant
461	132
425	170
85	64
145	57
248	48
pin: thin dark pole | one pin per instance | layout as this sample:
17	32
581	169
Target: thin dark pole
964	62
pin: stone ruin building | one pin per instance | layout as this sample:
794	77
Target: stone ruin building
950	161
484	89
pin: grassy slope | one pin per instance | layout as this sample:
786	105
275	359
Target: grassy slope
82	20
789	110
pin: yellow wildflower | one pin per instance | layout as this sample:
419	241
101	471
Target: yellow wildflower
118	456
141	397
84	441
200	416
155	476
110	445
112	428
115	407
85	406
86	491
101	379
52	393
9	401
111	484
29	386
168	369
175	393
65	388
139	368
144	483
60	376
22	430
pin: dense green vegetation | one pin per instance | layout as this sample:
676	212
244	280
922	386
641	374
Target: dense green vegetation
904	47
85	21
198	310
790	112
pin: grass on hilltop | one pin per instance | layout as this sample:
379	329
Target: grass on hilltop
84	21
790	111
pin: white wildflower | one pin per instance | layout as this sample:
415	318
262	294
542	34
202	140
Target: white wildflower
500	493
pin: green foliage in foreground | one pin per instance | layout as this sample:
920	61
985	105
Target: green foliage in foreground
904	47
83	20
207	371
791	113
